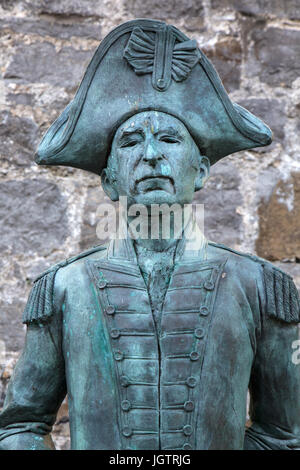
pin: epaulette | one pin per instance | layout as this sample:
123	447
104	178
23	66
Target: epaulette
39	307
282	298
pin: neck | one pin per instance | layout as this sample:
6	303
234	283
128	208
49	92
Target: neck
191	243
156	233
155	245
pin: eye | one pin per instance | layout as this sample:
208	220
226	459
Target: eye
129	143
169	139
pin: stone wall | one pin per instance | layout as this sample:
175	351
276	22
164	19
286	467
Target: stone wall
252	200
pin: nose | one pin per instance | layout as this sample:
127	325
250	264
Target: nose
151	154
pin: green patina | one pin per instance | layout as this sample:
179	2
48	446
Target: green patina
156	342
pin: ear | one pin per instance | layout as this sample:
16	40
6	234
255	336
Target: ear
108	185
203	173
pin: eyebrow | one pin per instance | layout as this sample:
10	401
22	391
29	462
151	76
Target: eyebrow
133	130
170	131
139	130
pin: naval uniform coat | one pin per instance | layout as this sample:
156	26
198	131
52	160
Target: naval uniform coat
228	323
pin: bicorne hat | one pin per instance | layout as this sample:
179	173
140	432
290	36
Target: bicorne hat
148	65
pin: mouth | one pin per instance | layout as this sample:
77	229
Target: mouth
150	183
155	178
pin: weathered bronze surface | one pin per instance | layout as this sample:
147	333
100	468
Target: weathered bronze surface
156	342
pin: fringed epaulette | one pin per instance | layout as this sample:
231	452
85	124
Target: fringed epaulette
39	307
282	298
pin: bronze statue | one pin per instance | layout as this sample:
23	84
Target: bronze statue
157	341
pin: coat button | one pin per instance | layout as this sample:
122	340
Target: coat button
209	285
187	446
110	310
124	381
115	333
204	310
187	430
160	83
102	284
119	356
191	382
125	405
127	431
194	356
199	333
189	405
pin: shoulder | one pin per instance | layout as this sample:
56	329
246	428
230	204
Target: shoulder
281	296
73	261
241	257
40	305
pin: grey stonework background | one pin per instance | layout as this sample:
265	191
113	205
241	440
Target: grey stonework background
252	200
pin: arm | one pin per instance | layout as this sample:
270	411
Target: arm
275	391
37	387
275	380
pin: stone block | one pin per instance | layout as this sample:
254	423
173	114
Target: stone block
11	327
32	217
25	99
8	5
279	8
226	56
164	9
50	28
41	63
19	137
275	56
86	8
279	228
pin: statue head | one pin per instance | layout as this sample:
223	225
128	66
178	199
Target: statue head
154	159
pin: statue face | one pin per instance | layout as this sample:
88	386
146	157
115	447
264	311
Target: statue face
154	159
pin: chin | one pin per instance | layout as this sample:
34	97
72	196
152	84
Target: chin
155	197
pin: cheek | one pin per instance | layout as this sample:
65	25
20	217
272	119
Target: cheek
123	162
125	168
185	175
184	164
